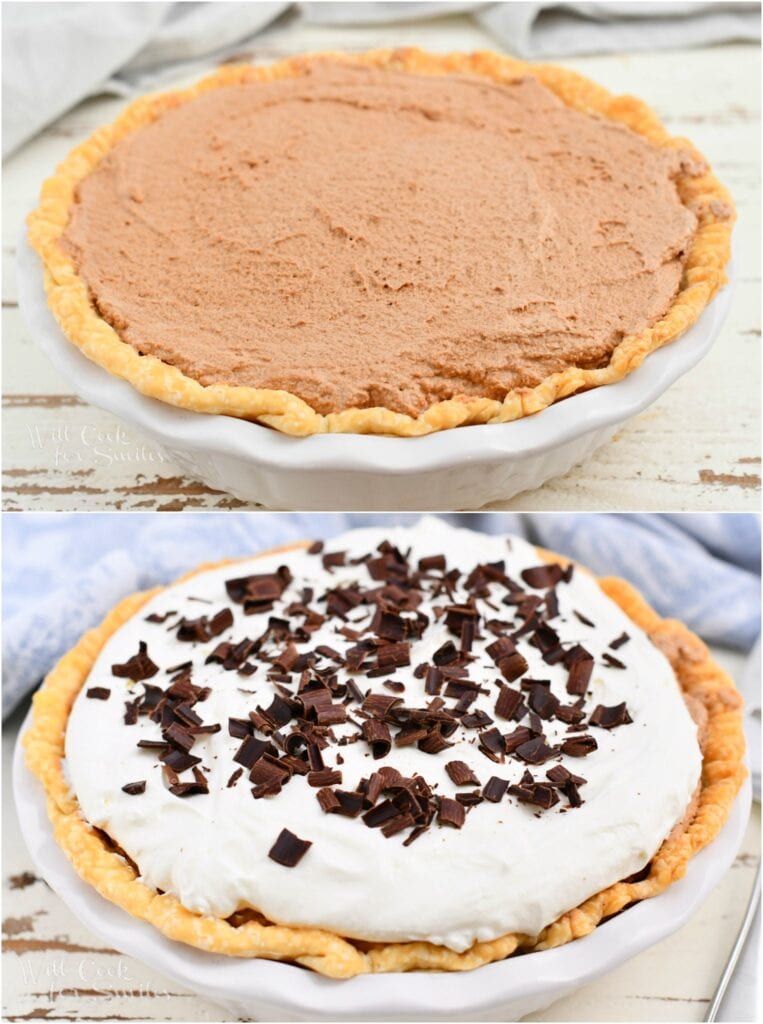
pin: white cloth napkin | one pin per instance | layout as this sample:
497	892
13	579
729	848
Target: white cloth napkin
62	572
56	54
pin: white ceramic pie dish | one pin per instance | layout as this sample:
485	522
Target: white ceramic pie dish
464	468
264	990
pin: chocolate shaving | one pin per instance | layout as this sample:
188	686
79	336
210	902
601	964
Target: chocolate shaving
341	601
220	622
343	802
328	800
134	788
184	667
179	736
380	814
394	686
508	702
495	789
132	711
472	799
324	777
540	794
571	714
509	661
204	628
513	740
268	771
610	717
278	713
560	776
138	667
377	735
98	693
450	812
543	702
446	654
394	655
239	728
434	742
612	661
552	604
379	705
461	774
258	593
334	559
415	833
155	617
295	765
478	720
250	751
535	751
398	824
456	615
288	849
542	577
433	563
178	760
568	783
183	789
492	744
579	746
579	664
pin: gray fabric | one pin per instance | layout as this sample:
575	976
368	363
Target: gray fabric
56	54
193	31
542	30
327	13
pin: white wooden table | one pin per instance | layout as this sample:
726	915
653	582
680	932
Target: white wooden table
696	448
54	969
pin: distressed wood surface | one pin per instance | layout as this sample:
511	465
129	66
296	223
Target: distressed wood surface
695	448
54	969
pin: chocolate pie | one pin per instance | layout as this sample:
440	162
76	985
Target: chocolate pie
394	243
417	748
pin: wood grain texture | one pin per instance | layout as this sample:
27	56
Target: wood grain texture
54	969
696	448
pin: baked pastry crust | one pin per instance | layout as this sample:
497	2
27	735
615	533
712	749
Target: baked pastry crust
710	693
70	301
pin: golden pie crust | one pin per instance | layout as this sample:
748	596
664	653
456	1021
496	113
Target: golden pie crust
70	301
710	694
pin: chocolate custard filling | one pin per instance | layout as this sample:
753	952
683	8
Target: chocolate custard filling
364	237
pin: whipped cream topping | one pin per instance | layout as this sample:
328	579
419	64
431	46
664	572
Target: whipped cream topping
511	868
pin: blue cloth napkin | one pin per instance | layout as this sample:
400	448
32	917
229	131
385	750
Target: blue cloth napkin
62	572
